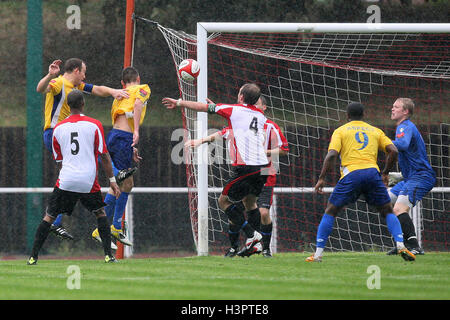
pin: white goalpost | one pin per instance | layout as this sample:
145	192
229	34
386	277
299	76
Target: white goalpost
205	28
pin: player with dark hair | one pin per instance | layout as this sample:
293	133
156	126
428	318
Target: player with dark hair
357	143
77	143
127	116
275	145
249	159
57	87
418	176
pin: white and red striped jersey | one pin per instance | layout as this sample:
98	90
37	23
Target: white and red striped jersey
246	135
274	139
77	142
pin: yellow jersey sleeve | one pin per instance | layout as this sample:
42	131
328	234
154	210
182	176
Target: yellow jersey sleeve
55	85
384	141
144	93
336	141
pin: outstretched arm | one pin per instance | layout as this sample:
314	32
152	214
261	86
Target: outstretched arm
193	105
276	151
328	163
196	142
103	91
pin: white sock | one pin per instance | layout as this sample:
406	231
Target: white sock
319	252
400	245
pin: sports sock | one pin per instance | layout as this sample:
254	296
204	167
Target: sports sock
40	237
236	216
254	219
121	203
233	235
323	232
266	231
394	227
110	201
105	234
409	232
58	220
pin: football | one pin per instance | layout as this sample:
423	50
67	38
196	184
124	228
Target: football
189	70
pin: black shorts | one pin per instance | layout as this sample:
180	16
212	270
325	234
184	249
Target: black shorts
62	201
244	180
265	197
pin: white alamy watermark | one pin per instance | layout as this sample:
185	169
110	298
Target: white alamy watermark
221	151
74	19
374	11
74	277
374	280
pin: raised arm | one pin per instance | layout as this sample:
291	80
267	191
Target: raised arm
53	71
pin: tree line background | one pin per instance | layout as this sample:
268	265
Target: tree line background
100	40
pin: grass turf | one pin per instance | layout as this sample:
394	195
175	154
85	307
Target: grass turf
340	276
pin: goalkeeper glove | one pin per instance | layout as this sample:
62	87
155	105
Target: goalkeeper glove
394	178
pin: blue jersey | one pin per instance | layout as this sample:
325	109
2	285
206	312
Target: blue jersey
412	157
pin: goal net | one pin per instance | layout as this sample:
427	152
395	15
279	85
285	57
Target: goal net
308	78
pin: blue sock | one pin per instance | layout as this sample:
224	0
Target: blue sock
121	203
110	200
57	221
324	230
394	227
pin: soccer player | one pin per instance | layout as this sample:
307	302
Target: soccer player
275	144
418	176
76	143
57	87
357	143
249	159
127	116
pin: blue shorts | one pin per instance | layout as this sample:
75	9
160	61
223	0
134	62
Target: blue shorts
48	134
119	147
366	182
415	187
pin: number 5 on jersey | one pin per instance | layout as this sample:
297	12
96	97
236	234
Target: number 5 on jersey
73	140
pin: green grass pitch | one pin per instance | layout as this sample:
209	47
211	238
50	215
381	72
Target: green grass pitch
343	276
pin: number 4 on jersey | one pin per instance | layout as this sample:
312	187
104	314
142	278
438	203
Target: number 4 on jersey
254	125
